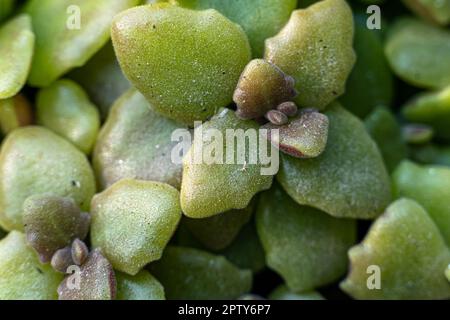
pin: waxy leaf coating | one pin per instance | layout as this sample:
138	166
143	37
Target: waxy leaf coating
431	108
413	48
315	47
371	82
385	130
22	276
52	223
68	34
430	187
132	222
260	19
262	87
305	136
305	246
97	281
219	231
405	251
102	79
142	286
208	189
34	160
435	11
348	179
16	52
65	109
15	112
192	274
185	62
135	142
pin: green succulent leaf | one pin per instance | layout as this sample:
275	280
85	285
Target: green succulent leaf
34	160
412	49
142	286
315	47
16	50
68	34
22	276
185	62
260	19
135	142
348	179
64	108
432	108
402	257
305	246
219	231
370	83
208	189
192	274
385	130
430	187
132	222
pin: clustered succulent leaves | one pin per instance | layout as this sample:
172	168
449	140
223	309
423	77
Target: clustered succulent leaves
94	207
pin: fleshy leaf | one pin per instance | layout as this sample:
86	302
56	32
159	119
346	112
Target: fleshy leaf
64	108
217	232
15	112
303	137
96	277
262	87
315	47
142	286
79	252
71	37
305	246
102	79
433	109
135	142
402	257
430	187
16	50
384	129
192	274
132	222
211	188
412	49
186	63
435	11
52	223
348	180
370	83
260	19
62	259
22	276
34	160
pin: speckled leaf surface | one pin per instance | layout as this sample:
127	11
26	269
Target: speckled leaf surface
190	274
411	255
316	48
34	160
348	180
62	44
16	50
22	276
185	62
135	142
307	247
132	222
